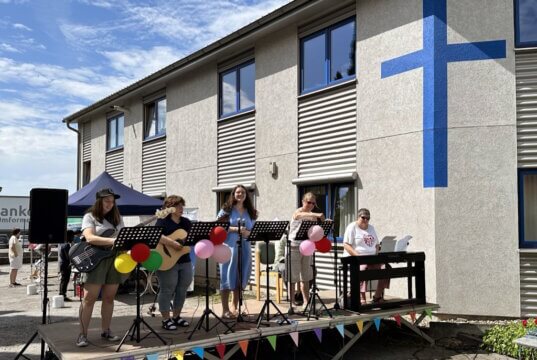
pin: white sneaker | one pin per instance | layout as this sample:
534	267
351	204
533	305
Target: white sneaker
82	341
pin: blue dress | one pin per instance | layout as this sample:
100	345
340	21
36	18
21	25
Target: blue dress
229	274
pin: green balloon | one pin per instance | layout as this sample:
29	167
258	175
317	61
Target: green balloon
153	262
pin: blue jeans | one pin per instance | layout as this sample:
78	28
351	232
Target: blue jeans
174	284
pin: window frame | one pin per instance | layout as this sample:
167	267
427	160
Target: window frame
523	244
108	121
518	43
154	102
329	201
237	70
327	56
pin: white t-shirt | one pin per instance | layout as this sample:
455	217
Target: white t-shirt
14	242
364	242
88	221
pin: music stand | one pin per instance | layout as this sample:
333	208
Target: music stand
266	231
201	230
302	234
125	240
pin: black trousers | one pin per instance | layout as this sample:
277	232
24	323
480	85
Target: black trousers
65	274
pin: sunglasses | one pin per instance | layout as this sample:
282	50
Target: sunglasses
309	202
365	218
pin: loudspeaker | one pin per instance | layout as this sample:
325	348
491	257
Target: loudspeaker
48	216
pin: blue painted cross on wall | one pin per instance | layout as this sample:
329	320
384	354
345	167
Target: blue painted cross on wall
434	57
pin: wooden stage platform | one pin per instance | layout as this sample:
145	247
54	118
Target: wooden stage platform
61	336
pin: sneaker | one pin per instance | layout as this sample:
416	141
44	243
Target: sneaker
17	284
107	335
169	324
82	341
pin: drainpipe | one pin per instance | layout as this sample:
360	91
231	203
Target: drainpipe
68	123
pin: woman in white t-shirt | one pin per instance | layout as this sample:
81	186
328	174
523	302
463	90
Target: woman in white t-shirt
361	239
15	256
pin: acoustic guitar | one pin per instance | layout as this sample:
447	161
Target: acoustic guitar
85	257
170	255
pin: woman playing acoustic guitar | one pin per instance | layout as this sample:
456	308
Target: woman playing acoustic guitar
100	218
174	282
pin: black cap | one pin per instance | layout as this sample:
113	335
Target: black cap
106	192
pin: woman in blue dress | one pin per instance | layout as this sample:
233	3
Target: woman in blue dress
237	207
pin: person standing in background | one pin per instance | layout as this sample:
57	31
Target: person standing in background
15	256
64	264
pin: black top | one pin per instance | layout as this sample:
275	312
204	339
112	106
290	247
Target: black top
63	257
170	226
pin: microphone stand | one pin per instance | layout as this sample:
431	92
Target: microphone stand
239	267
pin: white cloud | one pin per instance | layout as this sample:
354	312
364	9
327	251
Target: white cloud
21	27
33	157
98	3
8	48
138	63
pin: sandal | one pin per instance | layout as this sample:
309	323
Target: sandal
168	324
179	321
378	300
228	315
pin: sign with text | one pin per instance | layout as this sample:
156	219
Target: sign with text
14	212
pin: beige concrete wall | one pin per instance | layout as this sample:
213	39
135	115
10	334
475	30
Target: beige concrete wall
191	130
276	123
389	126
133	138
476	221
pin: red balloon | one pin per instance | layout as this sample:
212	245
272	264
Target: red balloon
324	245
140	252
218	235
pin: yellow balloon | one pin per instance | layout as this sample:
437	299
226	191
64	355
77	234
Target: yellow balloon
124	263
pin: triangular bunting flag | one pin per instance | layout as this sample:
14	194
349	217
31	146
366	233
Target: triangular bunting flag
130	357
244	346
199	351
179	355
429	313
272	341
360	324
398	319
319	333
413	316
151	357
221	348
294	336
341	329
377	323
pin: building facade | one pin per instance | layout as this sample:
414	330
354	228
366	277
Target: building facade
423	111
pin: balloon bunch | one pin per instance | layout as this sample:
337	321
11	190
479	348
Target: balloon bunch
316	241
139	253
214	247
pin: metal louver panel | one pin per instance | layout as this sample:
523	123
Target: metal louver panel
526	107
86	141
327	133
154	167
114	164
528	285
236	151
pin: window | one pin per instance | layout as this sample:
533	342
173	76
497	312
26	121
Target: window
328	56
237	89
155	118
86	173
336	201
114	132
526	23
527	208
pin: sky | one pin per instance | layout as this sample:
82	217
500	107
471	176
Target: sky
59	56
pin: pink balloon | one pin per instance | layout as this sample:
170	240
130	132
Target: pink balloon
204	249
222	254
315	233
307	247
